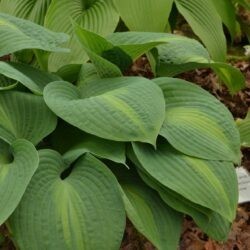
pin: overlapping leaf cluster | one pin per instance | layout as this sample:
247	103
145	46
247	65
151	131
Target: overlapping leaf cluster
84	146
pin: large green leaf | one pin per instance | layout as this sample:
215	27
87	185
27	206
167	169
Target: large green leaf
210	222
197	124
24	115
244	129
206	23
176	54
136	44
119	109
114	151
178	57
148	213
82	210
18	34
144	15
97	15
227	11
27	9
32	78
200	181
18	163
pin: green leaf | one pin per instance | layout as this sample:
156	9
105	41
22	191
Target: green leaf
83	210
144	15
155	220
18	34
136	44
244	129
26	116
27	9
6	83
32	78
243	3
227	11
98	16
176	54
181	56
196	123
206	23
96	46
119	109
86	74
114	151
18	163
199	181
210	222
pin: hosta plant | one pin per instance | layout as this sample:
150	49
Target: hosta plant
80	151
102	16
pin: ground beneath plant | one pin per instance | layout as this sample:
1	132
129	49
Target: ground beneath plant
192	237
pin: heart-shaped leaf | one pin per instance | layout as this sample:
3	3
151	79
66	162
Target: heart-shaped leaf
18	163
18	34
24	115
82	210
98	16
119	109
200	181
197	124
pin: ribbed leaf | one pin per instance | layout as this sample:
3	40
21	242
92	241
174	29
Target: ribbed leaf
136	44
244	129
227	11
197	124
18	163
27	9
30	77
144	15
98	16
114	151
82	211
181	56
206	23
210	222
24	115
18	34
176	54
87	73
96	46
199	181
155	220
119	109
